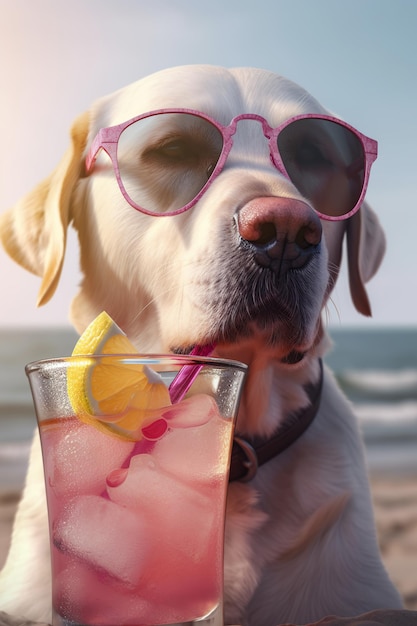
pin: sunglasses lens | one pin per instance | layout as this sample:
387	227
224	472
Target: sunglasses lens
165	160
326	162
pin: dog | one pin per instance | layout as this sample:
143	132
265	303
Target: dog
219	229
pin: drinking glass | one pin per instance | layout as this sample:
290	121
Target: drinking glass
136	491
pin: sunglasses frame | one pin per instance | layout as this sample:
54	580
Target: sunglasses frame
107	139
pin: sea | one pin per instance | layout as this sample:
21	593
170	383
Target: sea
376	368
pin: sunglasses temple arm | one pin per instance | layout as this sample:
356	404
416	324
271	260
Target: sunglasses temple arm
92	155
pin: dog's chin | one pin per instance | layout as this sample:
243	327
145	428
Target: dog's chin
279	339
250	311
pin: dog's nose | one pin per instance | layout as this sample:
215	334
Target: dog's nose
281	232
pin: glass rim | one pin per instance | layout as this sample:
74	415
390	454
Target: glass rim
141	359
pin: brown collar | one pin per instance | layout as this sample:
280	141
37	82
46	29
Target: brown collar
249	454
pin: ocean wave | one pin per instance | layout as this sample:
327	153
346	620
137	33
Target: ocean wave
393	421
15	451
388	412
14	458
384	383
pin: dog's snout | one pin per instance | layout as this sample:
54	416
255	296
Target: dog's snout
279	231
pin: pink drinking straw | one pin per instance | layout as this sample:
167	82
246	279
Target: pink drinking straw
187	374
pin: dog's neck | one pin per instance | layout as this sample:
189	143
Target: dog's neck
248	454
273	390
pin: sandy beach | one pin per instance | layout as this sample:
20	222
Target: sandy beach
395	501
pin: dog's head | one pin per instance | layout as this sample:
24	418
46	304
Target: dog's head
250	265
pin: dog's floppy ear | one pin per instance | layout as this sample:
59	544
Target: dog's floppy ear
365	248
34	232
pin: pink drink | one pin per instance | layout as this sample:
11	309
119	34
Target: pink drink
137	527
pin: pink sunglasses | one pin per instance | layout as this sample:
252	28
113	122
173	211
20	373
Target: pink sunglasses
165	160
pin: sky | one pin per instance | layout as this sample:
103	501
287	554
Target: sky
357	57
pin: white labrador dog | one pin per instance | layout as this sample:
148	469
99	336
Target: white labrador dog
244	256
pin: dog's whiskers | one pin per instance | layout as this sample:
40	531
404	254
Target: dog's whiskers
326	310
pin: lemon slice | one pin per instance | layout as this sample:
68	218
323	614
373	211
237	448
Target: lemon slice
119	397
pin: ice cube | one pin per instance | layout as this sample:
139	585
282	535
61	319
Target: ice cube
78	458
195	455
82	596
190	585
194	411
105	535
176	511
